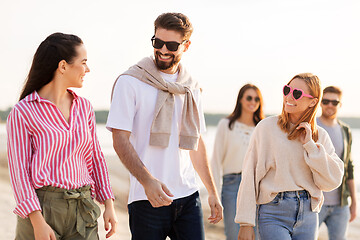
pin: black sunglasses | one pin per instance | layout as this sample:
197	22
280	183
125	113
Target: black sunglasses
171	46
333	102
250	98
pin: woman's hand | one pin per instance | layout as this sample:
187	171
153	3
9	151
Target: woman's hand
246	233
109	217
42	230
306	136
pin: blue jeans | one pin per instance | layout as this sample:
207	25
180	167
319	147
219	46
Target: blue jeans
182	220
336	219
288	216
229	192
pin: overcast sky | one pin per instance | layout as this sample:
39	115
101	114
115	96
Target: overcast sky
234	42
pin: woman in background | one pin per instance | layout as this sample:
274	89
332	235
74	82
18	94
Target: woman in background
231	142
288	164
55	161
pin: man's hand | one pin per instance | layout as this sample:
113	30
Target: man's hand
157	193
246	233
216	209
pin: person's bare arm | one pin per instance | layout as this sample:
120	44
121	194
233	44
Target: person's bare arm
246	233
110	218
42	231
201	165
156	191
352	189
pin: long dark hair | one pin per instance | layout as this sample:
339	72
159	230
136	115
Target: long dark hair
56	47
258	114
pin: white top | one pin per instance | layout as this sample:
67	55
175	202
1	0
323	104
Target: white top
274	164
132	109
229	149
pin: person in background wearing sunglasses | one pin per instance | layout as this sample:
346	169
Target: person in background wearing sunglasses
156	119
336	212
288	164
231	142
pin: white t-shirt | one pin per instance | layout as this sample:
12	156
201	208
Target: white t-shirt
132	109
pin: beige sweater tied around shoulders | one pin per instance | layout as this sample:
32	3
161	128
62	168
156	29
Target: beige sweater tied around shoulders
146	71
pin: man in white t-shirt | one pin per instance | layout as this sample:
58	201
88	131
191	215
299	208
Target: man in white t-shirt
336	211
156	119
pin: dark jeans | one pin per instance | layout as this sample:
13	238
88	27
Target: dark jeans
182	220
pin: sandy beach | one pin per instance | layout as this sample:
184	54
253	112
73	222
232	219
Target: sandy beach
120	182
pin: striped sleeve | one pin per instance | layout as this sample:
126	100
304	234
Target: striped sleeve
100	173
19	160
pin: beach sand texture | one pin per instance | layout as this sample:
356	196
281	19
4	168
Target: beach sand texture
120	182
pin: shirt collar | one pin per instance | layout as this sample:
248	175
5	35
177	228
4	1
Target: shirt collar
34	96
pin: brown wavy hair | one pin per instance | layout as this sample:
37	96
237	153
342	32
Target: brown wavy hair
175	21
258	114
333	89
309	115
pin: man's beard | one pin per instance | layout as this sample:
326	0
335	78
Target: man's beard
330	115
162	65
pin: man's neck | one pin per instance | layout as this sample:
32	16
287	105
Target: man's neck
328	121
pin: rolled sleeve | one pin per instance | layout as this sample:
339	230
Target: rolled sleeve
19	160
24	208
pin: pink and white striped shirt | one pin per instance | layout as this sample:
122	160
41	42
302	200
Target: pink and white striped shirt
44	149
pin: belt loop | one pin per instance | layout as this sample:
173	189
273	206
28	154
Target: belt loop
281	195
45	196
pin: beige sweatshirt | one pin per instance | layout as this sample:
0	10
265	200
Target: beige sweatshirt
229	149
275	164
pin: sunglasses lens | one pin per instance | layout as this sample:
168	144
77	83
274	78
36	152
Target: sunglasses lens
297	94
172	46
286	90
334	103
248	98
157	43
325	101
257	99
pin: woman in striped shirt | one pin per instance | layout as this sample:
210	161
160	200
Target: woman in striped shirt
55	161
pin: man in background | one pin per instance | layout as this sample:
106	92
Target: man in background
336	211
